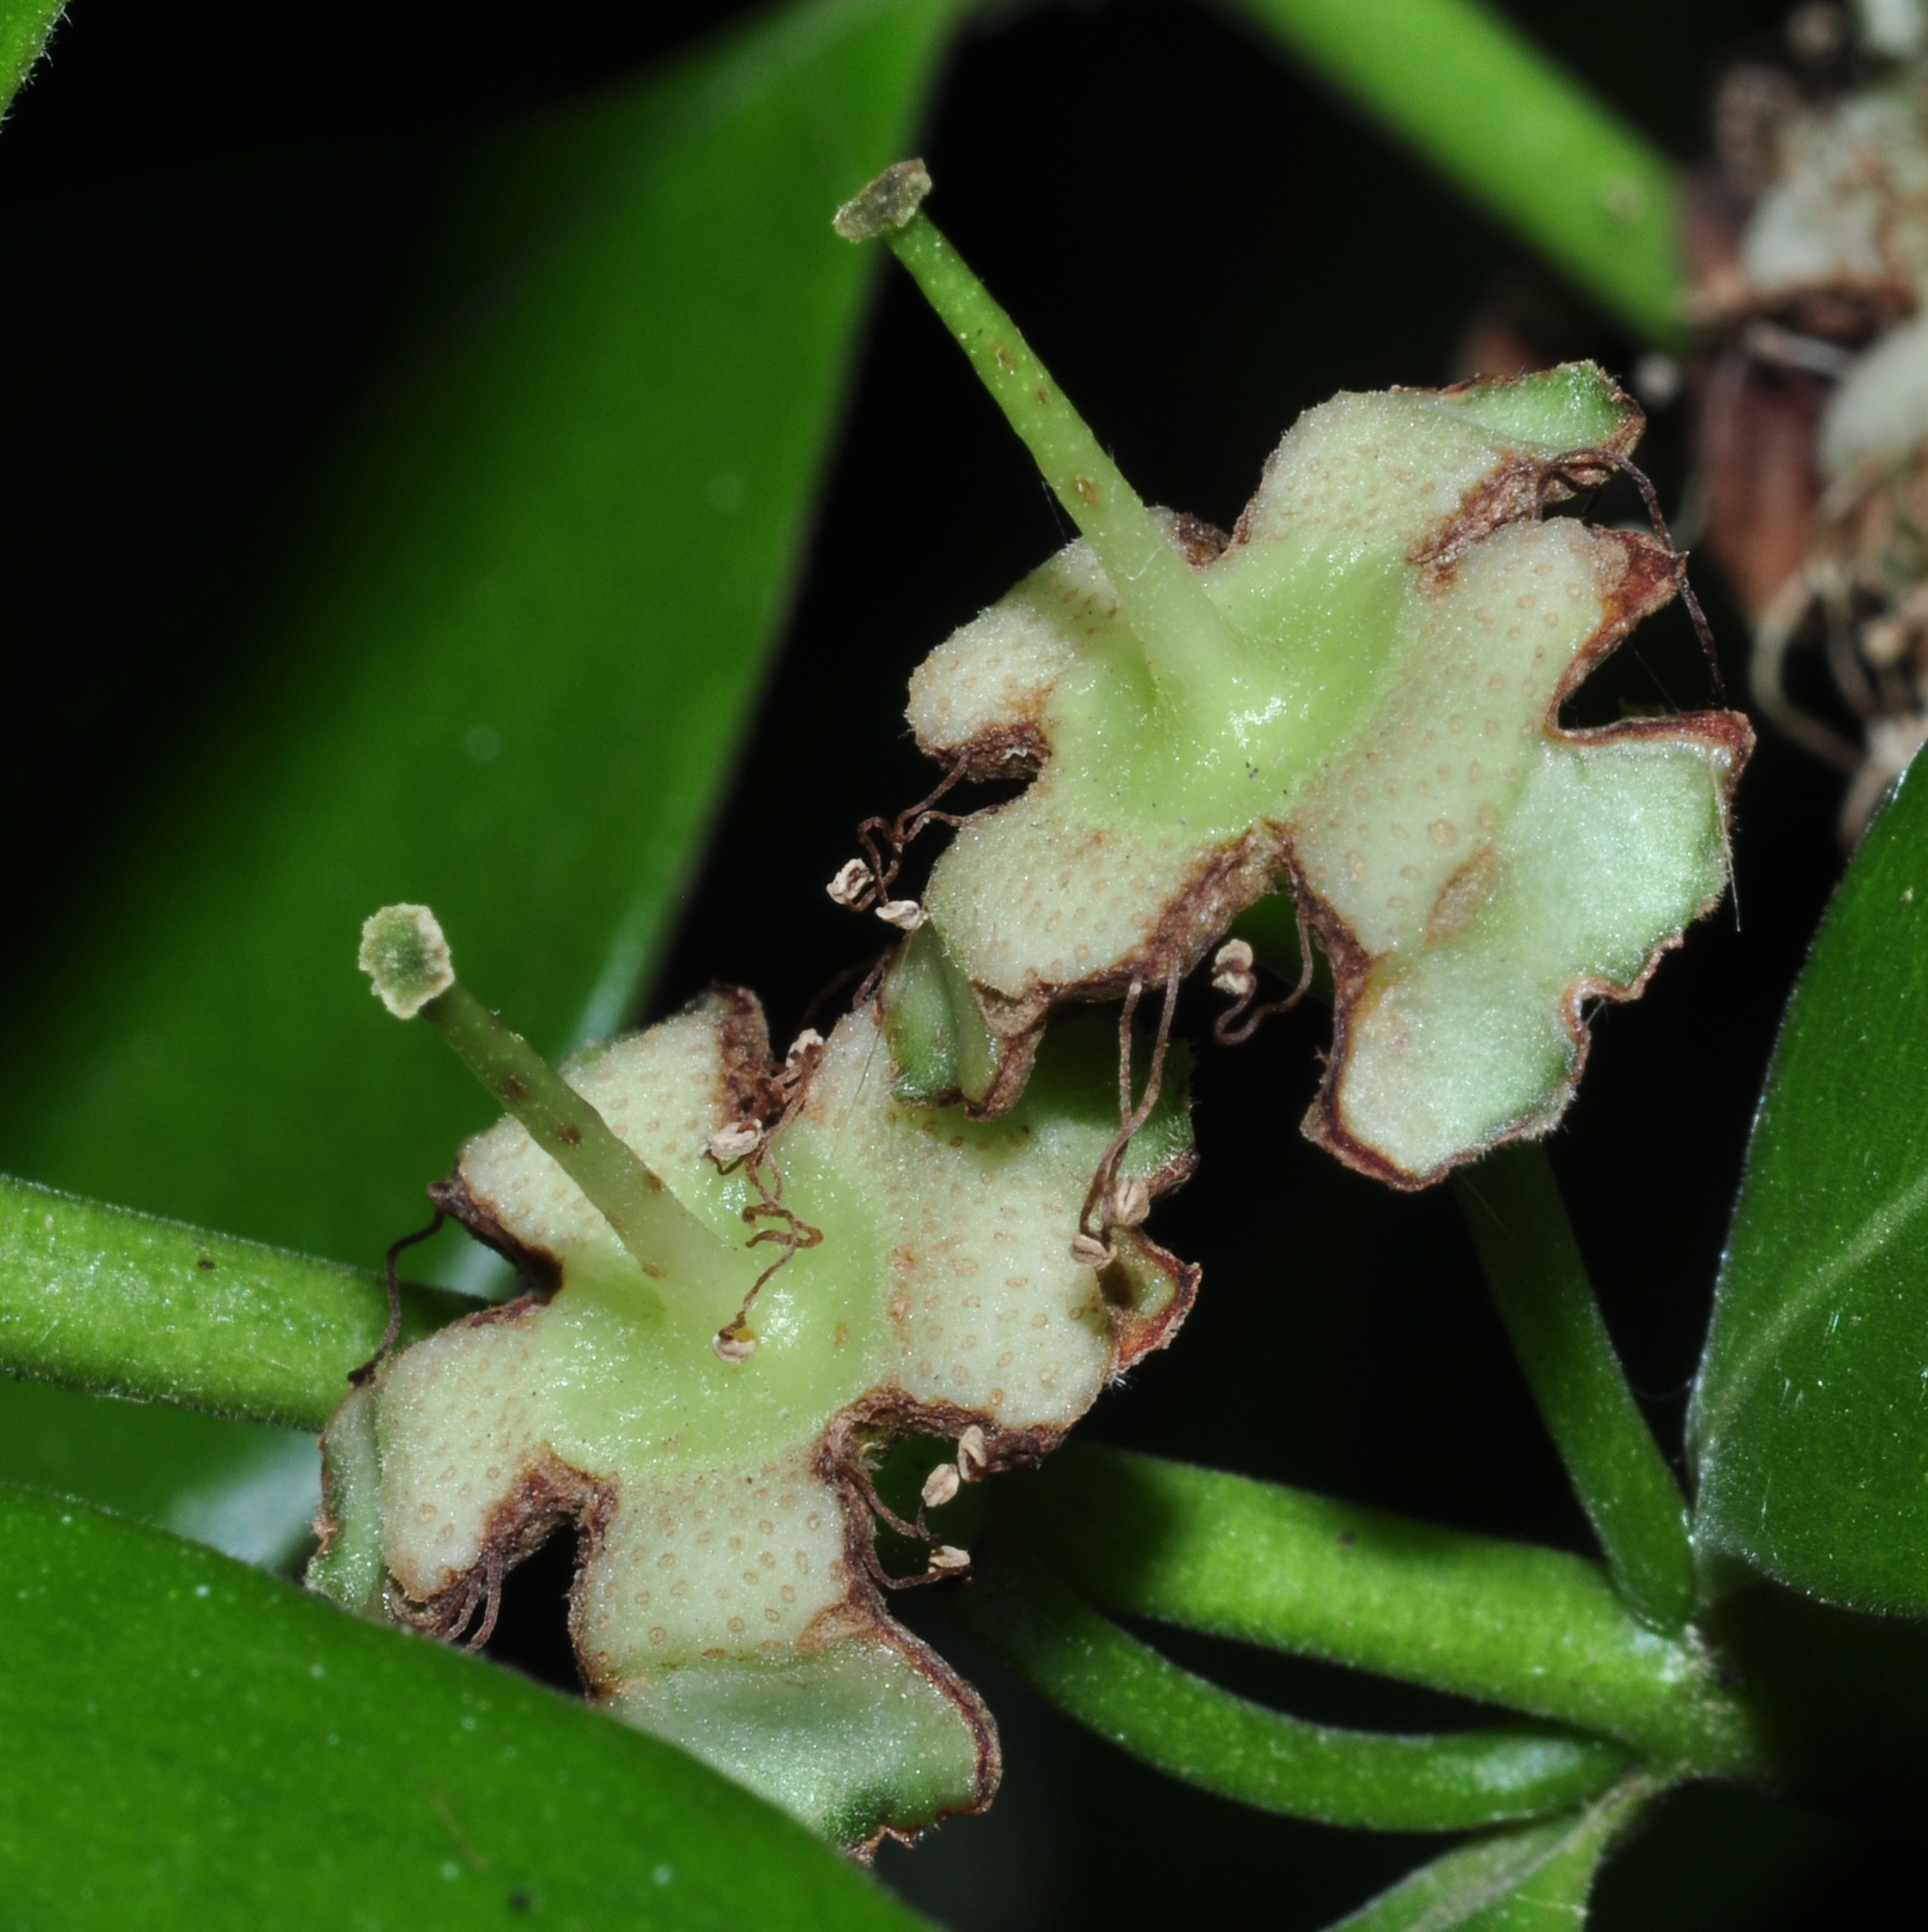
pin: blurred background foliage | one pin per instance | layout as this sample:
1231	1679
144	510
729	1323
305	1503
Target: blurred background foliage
232	233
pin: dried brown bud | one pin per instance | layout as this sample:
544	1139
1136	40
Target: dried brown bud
1088	1252
948	1557
940	1485
851	884
906	914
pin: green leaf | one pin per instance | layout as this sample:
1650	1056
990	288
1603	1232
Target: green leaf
103	1299
1538	1877
246	1488
1809	1423
25	25
511	666
1521	138
211	1748
1532	1630
1191	1729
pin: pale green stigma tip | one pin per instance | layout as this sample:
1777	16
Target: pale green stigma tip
889	202
403	951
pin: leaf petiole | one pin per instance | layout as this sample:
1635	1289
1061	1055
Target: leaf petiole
1531	1629
1519	1225
1191	1729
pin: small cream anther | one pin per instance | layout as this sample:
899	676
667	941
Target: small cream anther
733	1142
1231	970
1129	1203
851	884
734	1344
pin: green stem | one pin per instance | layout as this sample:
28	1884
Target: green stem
1513	131
1512	1206
1532	1630
118	1303
1187	641
405	955
1191	1729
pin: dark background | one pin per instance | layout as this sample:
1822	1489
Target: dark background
1201	244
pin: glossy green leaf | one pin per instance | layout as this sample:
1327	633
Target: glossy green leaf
246	1488
1191	1729
1536	1878
109	1300
1531	1630
509	669
1810	1418
25	25
513	664
1520	137
206	1747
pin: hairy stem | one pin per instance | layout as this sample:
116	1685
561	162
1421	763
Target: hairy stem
118	1303
1512	1206
1186	639
1513	131
1531	1630
25	25
1191	1729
